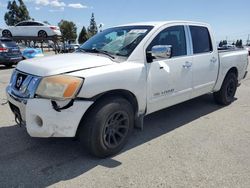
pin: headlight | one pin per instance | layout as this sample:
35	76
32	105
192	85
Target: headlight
59	87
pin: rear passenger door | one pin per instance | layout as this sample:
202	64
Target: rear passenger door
205	60
33	28
36	27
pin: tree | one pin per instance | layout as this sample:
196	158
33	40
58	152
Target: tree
100	27
23	11
240	43
237	43
221	44
16	13
92	29
83	36
68	30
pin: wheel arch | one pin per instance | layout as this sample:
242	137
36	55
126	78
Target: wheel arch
222	77
128	95
233	70
225	95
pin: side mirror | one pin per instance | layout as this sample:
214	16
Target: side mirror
161	51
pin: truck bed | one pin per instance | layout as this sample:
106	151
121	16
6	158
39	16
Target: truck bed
237	58
230	50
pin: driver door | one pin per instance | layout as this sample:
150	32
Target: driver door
169	80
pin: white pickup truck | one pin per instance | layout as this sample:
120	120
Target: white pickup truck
104	90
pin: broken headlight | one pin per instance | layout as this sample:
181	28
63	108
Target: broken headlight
59	87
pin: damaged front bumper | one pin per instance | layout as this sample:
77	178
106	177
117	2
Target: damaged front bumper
38	114
42	120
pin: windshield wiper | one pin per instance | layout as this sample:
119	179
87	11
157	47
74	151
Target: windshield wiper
94	50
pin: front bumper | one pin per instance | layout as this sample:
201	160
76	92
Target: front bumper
17	106
38	114
42	120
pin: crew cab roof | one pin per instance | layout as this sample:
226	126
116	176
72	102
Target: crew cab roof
161	23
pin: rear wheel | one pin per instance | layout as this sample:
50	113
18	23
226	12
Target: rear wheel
6	33
42	34
107	127
225	95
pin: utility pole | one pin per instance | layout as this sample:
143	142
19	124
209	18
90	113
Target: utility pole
248	39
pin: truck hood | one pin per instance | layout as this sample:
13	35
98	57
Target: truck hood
57	64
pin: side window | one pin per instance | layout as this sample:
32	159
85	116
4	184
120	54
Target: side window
39	24
36	24
174	36
25	24
201	39
22	24
30	24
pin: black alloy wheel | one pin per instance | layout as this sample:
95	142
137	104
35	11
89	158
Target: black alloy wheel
116	129
42	34
6	33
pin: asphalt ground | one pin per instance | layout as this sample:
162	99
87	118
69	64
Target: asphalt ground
193	144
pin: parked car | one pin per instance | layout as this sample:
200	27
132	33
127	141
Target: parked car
69	48
75	46
29	53
10	53
119	76
31	29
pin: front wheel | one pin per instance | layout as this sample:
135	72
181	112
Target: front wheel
6	33
225	95
107	127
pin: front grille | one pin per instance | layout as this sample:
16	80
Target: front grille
20	80
24	85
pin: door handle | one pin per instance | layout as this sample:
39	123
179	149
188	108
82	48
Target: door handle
213	60
187	65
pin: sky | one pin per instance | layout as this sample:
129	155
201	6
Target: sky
230	19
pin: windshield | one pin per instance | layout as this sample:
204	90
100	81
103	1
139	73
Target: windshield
119	41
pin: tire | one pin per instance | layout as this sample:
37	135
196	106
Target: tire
42	34
6	33
107	127
225	95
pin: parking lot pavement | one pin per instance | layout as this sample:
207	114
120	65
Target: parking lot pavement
194	144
